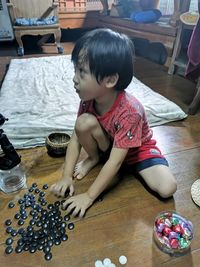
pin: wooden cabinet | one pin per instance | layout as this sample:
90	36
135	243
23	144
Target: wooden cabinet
78	13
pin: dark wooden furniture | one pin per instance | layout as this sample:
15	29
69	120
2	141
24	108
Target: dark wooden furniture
85	13
161	32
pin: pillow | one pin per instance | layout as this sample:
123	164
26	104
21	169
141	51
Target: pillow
35	21
148	16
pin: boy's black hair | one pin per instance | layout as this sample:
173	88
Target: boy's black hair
107	53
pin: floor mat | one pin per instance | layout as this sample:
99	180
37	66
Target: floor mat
38	97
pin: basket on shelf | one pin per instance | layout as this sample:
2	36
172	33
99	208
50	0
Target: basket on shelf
56	144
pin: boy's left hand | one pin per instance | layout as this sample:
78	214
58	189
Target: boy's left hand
79	204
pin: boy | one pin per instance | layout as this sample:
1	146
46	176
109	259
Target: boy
111	124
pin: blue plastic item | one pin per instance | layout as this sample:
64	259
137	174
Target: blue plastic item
147	16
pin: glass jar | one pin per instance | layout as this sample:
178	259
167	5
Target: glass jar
13	179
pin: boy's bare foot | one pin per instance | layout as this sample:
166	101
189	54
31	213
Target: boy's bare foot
82	168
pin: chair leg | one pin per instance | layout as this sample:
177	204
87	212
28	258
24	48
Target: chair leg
20	50
176	51
57	36
194	106
175	17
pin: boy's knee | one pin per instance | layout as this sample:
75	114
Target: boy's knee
168	190
85	122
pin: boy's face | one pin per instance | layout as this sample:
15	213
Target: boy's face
86	84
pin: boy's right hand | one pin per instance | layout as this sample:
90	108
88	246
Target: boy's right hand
61	187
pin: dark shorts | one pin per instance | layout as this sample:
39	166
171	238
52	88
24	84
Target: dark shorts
104	155
139	166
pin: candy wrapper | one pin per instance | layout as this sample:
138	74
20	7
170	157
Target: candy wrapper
172	233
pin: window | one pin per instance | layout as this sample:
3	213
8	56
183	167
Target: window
167	6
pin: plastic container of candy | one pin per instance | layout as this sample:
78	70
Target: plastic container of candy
172	233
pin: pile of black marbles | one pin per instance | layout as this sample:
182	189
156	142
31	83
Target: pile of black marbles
46	225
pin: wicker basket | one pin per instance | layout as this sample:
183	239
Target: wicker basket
56	144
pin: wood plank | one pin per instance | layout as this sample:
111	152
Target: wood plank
173	138
121	224
72	20
167	41
158	27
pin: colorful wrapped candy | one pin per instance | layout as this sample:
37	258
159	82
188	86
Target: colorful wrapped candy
172	232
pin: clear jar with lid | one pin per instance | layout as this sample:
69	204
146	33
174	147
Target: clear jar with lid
12	180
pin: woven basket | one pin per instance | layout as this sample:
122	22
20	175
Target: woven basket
56	144
189	18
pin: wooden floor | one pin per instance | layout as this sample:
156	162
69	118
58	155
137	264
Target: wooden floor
122	223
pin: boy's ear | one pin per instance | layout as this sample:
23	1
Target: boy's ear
111	81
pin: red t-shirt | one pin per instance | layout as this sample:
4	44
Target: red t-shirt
126	125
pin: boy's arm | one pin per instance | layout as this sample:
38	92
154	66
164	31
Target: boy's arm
66	181
80	203
72	155
107	173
